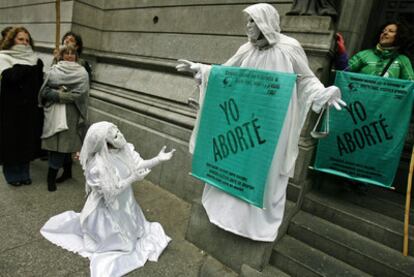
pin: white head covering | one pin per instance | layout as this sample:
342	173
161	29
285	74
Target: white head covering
267	19
95	142
95	154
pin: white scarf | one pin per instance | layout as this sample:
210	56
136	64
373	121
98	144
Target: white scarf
18	54
68	74
75	77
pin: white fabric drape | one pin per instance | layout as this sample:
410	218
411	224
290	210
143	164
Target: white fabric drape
284	54
111	230
54	120
17	54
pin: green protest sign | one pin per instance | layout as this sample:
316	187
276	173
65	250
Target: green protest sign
241	119
366	138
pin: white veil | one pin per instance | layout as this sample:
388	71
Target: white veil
95	156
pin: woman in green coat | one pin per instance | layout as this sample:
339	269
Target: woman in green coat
386	59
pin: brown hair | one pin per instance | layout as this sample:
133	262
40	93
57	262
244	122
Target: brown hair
64	49
8	41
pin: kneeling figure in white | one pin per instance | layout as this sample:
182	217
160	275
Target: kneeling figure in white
111	230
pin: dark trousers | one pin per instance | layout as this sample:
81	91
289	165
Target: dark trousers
16	173
57	160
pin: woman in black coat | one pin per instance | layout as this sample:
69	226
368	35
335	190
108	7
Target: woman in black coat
21	119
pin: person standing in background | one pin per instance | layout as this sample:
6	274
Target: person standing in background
20	117
64	96
4	33
77	42
387	58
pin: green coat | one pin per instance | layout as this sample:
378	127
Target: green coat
373	62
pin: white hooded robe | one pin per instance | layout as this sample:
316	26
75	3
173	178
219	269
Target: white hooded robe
283	54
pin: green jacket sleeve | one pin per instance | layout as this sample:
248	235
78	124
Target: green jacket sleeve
407	72
357	62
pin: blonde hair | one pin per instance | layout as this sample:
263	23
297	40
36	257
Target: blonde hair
66	49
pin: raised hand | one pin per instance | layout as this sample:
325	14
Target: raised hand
340	42
165	156
335	97
188	66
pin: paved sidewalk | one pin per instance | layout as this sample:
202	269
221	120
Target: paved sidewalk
24	210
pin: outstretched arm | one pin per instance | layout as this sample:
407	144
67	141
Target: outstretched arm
110	185
161	157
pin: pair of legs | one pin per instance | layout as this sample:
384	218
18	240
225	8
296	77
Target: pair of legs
17	174
58	160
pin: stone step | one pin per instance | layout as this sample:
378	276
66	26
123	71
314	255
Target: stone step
350	247
375	226
378	199
379	202
268	271
292	192
229	249
299	259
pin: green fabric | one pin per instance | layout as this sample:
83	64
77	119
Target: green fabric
366	137
241	120
373	62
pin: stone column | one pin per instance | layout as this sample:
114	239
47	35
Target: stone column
353	21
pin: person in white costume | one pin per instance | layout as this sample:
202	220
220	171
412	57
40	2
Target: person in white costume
111	230
267	49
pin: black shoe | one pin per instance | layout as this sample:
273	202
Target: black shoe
51	179
15	184
26	182
67	173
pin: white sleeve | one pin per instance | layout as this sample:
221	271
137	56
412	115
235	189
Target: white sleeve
104	183
204	74
310	89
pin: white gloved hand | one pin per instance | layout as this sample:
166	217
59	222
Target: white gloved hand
165	156
188	66
331	96
335	100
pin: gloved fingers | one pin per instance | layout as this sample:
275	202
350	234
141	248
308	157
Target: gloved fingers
184	61
182	67
140	174
165	156
143	171
341	102
163	149
169	155
335	104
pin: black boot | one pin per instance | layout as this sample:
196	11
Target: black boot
51	179
67	173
